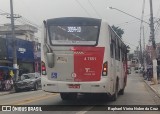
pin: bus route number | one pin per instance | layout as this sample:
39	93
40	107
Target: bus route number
90	58
74	29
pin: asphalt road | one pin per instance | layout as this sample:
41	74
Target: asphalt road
136	93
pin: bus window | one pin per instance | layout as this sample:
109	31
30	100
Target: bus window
111	50
73	35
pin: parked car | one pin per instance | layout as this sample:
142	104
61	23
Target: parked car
28	81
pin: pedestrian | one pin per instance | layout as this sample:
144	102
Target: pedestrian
158	71
145	74
1	79
149	74
11	74
7	81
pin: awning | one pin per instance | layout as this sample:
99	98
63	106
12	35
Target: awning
7	68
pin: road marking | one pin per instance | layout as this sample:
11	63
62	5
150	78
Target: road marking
32	99
86	109
24	102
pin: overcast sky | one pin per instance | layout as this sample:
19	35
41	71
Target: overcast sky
38	10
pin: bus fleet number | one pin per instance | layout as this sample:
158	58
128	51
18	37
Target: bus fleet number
90	58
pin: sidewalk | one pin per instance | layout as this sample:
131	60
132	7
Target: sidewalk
155	88
7	92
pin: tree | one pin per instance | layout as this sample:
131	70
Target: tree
118	30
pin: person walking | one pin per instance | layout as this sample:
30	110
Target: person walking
11	79
1	80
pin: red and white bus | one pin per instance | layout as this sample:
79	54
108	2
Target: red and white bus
82	55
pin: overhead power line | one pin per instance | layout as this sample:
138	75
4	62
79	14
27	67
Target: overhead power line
28	21
83	8
22	20
94	8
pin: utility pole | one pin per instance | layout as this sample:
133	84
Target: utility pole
152	36
13	39
141	33
140	56
144	52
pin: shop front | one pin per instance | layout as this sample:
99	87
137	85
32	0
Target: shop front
25	56
3	53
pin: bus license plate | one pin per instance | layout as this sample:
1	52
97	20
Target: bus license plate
74	86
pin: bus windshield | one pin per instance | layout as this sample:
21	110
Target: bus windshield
73	35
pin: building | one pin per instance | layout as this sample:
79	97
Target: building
149	53
3	52
28	55
24	32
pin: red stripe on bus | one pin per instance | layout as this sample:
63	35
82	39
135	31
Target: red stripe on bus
88	63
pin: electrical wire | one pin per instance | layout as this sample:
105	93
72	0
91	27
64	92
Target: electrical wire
94	9
130	22
83	8
24	22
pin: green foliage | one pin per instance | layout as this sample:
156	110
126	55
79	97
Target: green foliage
118	30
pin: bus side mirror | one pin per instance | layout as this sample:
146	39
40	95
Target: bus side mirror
50	60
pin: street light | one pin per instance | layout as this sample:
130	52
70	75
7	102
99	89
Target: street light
151	24
135	18
128	14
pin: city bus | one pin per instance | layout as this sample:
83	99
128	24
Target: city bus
82	55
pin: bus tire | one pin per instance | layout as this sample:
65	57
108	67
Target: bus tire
115	95
64	96
121	92
73	96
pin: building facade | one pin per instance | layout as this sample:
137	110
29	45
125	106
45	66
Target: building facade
24	32
27	48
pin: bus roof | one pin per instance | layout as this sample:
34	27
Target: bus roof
80	20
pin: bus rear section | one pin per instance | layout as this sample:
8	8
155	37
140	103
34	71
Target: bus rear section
77	70
72	60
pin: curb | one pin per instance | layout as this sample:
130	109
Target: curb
6	93
153	89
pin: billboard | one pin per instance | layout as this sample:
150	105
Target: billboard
24	50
